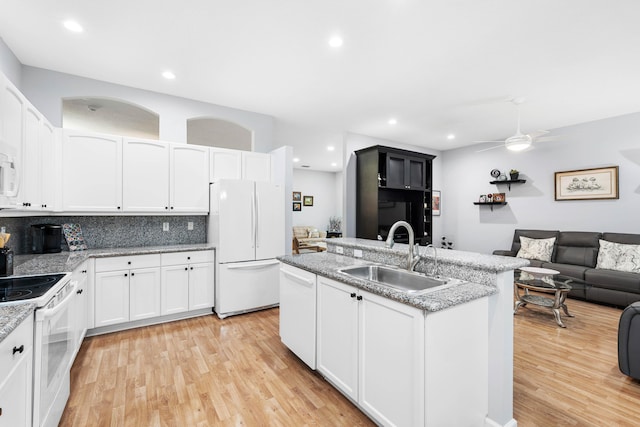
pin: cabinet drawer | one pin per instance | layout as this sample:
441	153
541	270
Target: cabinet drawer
178	258
127	262
21	336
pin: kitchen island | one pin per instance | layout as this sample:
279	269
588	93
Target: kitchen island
406	359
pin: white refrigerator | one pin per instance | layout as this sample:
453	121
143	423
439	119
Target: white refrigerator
246	225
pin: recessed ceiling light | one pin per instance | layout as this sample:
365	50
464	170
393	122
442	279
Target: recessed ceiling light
296	160
335	41
73	26
168	75
393	121
334	164
451	136
331	148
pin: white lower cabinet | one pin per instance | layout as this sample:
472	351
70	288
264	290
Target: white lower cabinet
144	293
372	349
81	305
16	362
126	288
187	281
112	298
138	287
175	289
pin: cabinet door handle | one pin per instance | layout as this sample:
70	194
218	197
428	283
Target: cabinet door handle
125	274
191	268
79	291
132	274
353	294
185	269
359	297
18	349
129	262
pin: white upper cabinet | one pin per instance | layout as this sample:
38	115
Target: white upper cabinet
29	197
50	158
225	164
91	172
189	183
145	174
11	109
237	164
256	166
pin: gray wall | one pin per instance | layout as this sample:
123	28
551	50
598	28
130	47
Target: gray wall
10	65
113	231
465	172
353	142
327	201
45	89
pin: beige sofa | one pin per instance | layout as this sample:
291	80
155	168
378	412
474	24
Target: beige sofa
307	237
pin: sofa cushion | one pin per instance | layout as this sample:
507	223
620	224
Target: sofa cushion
577	248
627	239
611	279
571	270
540	249
301	231
532	234
618	256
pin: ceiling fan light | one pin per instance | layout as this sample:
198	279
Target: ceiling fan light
518	142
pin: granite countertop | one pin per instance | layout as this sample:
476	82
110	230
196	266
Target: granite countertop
63	262
12	315
68	261
493	263
327	265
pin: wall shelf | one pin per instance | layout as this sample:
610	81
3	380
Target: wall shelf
492	204
509	182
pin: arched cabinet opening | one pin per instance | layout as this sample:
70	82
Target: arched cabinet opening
220	133
112	116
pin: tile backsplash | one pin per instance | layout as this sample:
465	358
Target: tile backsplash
112	231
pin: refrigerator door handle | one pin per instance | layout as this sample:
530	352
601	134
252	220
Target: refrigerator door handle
248	265
257	220
253	220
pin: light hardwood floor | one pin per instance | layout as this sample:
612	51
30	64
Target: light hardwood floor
211	372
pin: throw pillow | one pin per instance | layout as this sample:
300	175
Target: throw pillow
619	256
540	249
314	234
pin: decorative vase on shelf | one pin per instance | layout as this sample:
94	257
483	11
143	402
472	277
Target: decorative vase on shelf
514	176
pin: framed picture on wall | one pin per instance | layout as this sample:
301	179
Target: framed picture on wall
587	184
297	196
307	200
435	203
297	206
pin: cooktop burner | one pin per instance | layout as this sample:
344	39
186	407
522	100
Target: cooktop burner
26	287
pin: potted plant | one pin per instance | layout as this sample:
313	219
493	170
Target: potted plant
514	173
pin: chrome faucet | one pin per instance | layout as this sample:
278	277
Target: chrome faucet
434	273
412	260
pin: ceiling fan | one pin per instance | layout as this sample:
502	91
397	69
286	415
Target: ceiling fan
519	141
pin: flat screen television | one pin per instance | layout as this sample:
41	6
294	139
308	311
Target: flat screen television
390	212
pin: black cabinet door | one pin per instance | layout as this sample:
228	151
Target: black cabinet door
405	172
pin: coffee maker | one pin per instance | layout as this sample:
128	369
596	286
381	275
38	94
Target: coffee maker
46	238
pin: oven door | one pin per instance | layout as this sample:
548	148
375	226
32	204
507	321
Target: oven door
54	346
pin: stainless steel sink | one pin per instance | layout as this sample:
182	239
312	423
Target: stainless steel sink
402	280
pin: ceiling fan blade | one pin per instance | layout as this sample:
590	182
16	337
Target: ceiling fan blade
490	148
538	133
547	139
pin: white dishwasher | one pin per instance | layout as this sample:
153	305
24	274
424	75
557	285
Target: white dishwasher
298	312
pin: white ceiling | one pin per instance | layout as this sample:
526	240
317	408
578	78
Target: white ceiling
437	66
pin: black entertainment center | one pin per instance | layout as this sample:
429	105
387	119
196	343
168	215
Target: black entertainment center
393	185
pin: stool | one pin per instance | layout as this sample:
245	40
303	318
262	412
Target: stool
629	341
